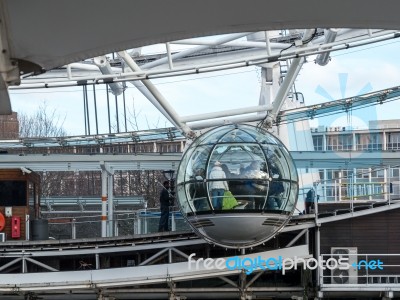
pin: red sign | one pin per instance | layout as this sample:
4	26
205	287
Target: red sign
16	227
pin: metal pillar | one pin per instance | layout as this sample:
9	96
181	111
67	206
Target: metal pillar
286	85
384	141
385	183
116	227
319	270
27	228
110	205
173	223
24	265
330	36
353	190
138	227
103	203
73	228
324	185
370	189
97	256
104	65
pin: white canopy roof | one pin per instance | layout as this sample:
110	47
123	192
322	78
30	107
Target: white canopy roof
53	33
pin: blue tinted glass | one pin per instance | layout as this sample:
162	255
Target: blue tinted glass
184	204
278	195
292	197
250	194
238	136
197	195
277	162
196	165
261	135
213	136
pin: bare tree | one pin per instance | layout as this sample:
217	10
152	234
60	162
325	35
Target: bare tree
146	183
43	123
133	116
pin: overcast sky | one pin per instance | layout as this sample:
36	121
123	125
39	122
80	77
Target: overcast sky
349	73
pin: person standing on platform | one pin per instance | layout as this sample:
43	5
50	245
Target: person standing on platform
310	201
165	199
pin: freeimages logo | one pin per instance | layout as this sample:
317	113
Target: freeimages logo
250	264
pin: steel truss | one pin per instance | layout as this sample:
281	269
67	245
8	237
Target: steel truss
161	135
263	49
153	256
170	161
154	266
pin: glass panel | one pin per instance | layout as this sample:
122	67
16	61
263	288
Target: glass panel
237	174
255	170
205	138
291	202
236	159
214	136
263	137
238	136
277	195
184	204
196	166
217	183
182	166
217	153
250	194
277	162
197	196
290	162
13	193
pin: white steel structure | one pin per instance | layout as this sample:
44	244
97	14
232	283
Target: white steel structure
69	42
89	35
226	52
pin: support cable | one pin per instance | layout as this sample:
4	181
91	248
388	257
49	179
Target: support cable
95	108
84	108
108	110
116	112
87	108
123	98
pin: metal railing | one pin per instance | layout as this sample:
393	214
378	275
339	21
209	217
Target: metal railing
142	221
84	202
361	269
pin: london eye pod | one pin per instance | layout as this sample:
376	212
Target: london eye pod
237	186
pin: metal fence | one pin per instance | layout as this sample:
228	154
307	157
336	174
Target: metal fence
141	221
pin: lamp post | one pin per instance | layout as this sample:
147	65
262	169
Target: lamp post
169	175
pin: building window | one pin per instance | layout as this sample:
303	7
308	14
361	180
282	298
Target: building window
338	142
318	142
321	174
393	141
369	141
395	172
334	174
378	173
362	173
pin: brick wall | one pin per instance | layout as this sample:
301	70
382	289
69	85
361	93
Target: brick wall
9	127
